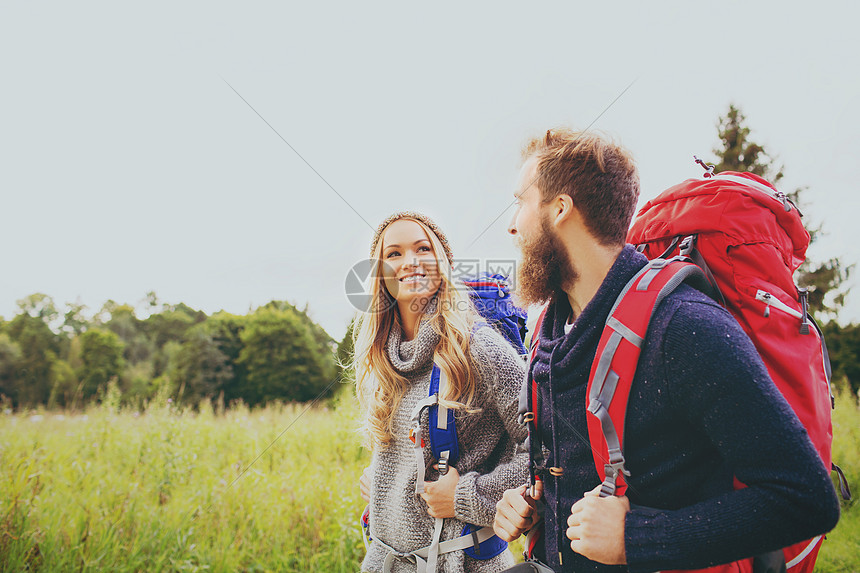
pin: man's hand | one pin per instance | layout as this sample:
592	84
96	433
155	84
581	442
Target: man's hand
364	485
517	512
597	527
439	495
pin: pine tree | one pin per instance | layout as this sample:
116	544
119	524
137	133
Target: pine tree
736	152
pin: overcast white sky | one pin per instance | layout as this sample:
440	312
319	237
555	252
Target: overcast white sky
129	165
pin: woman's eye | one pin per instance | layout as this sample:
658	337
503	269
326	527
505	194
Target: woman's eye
424	248
391	254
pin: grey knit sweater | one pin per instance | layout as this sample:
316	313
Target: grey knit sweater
489	461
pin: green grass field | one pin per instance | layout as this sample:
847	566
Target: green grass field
172	490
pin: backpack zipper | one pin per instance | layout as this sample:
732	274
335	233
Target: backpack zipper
787	204
771	301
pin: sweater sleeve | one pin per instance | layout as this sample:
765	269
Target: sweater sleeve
716	381
502	372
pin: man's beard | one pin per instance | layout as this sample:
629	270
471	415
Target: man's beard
546	268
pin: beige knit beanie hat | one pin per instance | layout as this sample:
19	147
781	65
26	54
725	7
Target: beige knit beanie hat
418	217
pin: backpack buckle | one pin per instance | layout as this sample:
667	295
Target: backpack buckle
687	245
658	263
612	470
412	437
609	485
443	466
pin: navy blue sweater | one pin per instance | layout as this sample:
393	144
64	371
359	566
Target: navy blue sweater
702	409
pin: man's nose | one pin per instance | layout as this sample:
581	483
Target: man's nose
512	226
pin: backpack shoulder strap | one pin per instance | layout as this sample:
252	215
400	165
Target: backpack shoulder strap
442	429
442	433
529	406
615	363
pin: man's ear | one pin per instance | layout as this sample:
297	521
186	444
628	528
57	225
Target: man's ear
561	209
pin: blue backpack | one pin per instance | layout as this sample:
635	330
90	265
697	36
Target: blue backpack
492	298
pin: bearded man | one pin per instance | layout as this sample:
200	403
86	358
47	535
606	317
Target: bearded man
702	407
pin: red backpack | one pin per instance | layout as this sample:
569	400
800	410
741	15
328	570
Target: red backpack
746	240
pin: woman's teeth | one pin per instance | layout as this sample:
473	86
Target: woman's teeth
412	278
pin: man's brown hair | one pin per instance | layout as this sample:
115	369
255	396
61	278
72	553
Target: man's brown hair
598	174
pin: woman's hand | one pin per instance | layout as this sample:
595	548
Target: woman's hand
439	495
364	485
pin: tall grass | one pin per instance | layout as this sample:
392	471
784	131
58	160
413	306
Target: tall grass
168	490
841	549
174	490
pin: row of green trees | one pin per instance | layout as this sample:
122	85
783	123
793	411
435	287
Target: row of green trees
843	344
65	359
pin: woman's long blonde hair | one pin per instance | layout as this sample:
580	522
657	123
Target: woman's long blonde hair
379	386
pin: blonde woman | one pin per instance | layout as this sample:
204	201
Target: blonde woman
419	319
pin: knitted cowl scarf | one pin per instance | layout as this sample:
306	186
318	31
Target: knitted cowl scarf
417	354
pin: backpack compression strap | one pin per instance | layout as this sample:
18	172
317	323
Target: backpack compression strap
615	363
